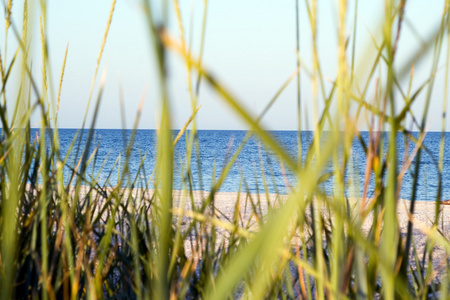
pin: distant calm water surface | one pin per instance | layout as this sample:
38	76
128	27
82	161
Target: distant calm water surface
254	163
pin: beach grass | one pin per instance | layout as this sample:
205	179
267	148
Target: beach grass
142	239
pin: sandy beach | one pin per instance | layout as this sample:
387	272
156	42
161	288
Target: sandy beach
225	205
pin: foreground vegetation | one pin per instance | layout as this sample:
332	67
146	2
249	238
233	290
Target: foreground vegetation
80	239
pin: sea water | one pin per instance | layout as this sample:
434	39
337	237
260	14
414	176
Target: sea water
254	165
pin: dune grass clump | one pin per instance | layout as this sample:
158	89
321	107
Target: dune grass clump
66	235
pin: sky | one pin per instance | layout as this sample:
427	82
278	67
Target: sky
250	47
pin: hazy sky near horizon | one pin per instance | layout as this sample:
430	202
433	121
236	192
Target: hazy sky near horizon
250	47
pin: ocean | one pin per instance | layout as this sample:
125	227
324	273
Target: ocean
253	165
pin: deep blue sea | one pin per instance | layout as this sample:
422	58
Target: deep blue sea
216	146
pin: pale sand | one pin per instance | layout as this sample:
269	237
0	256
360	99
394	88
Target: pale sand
424	213
225	203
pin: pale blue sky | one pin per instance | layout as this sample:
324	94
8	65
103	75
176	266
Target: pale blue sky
250	47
